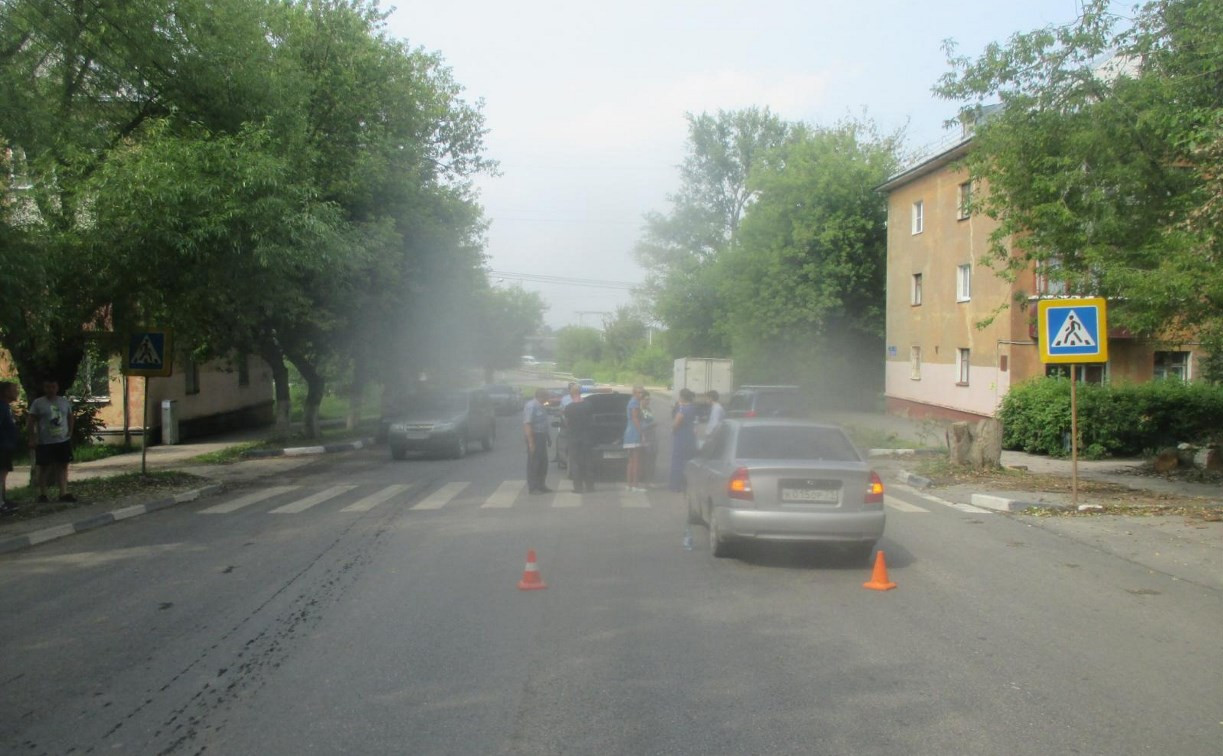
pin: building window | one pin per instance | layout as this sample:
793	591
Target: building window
915	291
915	363
244	370
191	376
918	220
92	377
963	283
1049	281
1172	365
961	365
1088	373
964	201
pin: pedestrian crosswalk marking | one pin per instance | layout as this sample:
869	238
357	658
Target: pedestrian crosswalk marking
251	498
903	506
566	500
442	496
504	496
374	499
301	505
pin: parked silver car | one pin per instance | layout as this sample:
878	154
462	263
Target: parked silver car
784	480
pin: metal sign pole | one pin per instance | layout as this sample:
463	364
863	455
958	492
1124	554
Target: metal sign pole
1074	438
144	430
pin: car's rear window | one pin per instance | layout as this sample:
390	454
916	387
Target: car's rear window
785	442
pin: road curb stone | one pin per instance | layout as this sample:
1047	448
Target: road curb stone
296	451
103	519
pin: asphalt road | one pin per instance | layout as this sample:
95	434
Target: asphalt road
370	606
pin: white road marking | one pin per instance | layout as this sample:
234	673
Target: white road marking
374	499
442	496
902	506
566	500
251	498
503	497
301	505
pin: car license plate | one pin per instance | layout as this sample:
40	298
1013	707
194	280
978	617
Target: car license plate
810	495
615	455
416	435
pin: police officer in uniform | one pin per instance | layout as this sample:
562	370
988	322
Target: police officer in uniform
535	424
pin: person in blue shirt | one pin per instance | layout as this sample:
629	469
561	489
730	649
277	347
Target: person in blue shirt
683	438
535	424
632	440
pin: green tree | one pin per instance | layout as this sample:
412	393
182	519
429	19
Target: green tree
679	249
805	282
623	335
576	344
507	317
1101	162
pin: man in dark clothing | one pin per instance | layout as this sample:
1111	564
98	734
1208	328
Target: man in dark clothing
578	435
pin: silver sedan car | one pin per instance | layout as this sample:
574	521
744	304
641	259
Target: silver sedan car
784	480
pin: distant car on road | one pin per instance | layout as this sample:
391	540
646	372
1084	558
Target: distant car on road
443	421
529	361
506	399
553	403
768	401
784	480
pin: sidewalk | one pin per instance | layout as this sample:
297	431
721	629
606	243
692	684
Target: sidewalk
20	533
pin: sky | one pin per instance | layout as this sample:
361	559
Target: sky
585	105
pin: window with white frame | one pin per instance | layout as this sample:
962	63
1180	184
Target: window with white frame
1049	282
915	363
964	201
963	283
918	217
1172	365
961	366
915	290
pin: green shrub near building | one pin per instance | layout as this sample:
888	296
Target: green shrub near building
1114	420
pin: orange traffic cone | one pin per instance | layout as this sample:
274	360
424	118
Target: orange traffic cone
879	578
531	580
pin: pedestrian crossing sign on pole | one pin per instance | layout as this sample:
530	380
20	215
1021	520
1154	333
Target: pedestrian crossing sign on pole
148	354
1072	330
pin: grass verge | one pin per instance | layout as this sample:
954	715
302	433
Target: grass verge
128	488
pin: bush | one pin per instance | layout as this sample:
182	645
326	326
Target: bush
1124	420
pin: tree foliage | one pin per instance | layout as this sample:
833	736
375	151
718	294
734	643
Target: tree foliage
1102	159
267	177
679	250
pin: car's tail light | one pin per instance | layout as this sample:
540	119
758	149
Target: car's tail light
740	485
750	413
874	490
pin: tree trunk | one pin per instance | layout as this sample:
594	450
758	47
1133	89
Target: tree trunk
977	445
280	379
315	387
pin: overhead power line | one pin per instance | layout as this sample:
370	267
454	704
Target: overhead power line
563	280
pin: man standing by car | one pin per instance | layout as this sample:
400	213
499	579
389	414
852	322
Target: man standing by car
535	428
578	434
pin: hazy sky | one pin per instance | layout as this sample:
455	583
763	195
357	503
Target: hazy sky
585	104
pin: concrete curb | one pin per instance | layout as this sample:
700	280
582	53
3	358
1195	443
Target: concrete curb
298	451
891	452
101	520
912	479
1005	504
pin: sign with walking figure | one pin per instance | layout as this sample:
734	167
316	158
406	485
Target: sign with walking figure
1073	330
148	354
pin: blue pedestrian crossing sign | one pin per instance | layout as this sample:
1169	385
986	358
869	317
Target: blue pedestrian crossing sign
148	354
1073	330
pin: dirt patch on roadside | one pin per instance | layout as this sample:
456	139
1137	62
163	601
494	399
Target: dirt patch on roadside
1104	496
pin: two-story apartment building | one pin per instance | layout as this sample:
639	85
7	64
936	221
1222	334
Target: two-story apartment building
957	337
